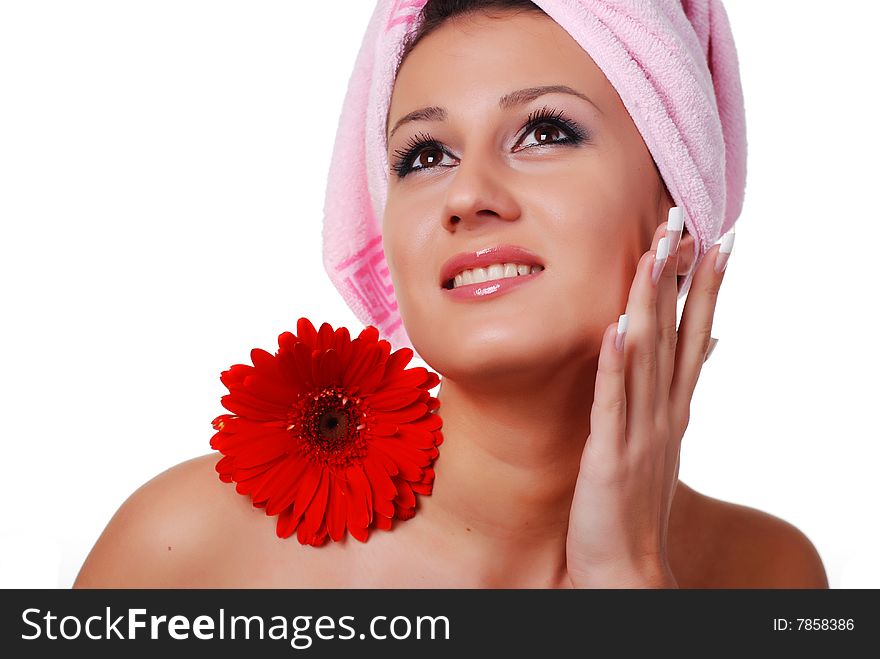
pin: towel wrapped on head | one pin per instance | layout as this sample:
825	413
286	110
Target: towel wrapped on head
672	62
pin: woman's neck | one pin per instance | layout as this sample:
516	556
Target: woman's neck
506	473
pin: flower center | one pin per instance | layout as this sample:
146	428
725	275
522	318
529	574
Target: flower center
328	425
333	425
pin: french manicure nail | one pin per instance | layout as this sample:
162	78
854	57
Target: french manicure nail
674	227
660	258
725	250
622	324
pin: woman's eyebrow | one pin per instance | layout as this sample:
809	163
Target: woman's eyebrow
518	97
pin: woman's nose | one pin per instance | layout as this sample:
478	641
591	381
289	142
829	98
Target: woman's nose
478	192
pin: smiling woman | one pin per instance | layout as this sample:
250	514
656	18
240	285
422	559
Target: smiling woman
567	178
539	194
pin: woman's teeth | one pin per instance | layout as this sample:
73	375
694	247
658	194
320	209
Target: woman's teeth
494	271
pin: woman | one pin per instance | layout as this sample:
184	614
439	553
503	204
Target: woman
560	462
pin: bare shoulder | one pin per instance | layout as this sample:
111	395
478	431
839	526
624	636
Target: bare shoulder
173	531
726	545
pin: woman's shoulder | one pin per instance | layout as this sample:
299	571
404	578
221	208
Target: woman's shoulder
187	528
719	544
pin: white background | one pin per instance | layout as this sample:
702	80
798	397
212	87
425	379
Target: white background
162	172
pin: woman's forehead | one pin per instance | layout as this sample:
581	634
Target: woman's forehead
486	59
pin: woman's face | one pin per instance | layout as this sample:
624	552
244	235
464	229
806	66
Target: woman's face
577	187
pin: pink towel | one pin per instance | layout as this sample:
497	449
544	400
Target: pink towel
674	66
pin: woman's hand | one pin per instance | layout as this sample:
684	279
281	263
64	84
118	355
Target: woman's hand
641	407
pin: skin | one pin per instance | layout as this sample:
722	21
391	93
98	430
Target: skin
559	467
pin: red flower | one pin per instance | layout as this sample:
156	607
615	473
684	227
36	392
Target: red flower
329	432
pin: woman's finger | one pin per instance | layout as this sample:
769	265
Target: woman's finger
695	331
641	348
608	414
667	333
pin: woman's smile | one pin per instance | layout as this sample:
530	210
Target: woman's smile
492	288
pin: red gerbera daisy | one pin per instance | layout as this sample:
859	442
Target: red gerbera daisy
329	432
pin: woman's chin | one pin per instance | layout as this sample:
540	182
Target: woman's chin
501	351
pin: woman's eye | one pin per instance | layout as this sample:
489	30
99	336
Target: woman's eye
545	134
427	158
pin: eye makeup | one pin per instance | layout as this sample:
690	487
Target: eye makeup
575	134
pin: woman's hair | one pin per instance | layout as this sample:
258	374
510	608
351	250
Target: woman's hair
436	12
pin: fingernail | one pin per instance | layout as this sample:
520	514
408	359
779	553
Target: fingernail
712	343
724	252
674	227
622	324
660	258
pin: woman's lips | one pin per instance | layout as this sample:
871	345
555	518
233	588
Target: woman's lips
483	258
492	289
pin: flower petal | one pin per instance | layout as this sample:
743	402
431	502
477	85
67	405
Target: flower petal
370	380
342	344
303	365
363	358
422	488
392	399
307	531
247	474
288	369
380	481
398	360
358	493
235	374
417	438
235	404
321	534
405	415
326	370
277	393
383	507
325	337
405	496
356	473
362	534
385	461
429	422
369	334
384	429
431	381
336	509
263	360
247	434
268	448
403	512
409	469
286	523
411	377
307	488
243	393
275	478
398	448
293	473
224	468
286	341
306	333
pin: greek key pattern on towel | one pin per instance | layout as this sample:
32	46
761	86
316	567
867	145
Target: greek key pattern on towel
366	277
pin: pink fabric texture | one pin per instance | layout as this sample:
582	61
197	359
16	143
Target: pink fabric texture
672	62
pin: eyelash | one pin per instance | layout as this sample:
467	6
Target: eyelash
556	118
